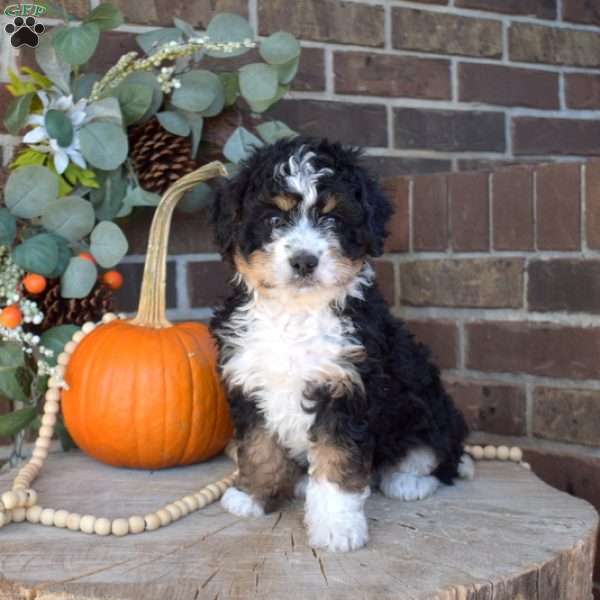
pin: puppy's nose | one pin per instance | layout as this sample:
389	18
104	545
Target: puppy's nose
304	263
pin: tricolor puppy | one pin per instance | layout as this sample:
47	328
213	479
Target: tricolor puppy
329	393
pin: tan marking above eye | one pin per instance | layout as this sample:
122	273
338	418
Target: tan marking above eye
330	204
285	203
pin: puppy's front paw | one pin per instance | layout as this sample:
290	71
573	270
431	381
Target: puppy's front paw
300	487
409	487
241	504
340	536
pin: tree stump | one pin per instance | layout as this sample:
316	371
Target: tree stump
505	535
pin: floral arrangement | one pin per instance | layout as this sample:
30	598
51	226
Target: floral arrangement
94	147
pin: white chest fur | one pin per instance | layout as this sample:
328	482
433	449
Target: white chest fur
275	353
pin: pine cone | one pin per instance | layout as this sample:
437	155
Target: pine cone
72	311
159	157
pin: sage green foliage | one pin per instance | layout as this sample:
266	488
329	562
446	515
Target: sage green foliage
78	279
55	339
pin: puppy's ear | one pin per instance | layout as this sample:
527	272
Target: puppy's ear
378	211
226	211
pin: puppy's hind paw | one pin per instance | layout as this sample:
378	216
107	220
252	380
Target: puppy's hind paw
466	467
241	504
340	536
409	487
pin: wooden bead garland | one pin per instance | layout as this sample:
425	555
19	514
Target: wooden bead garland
20	503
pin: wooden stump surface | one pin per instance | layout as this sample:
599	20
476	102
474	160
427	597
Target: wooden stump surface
506	535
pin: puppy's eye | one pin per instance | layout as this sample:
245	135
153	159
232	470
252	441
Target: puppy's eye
275	221
330	221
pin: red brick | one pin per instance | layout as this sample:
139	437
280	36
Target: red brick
512	209
508	86
391	166
311	71
592	211
564	285
397	189
490	407
384	272
126	299
443	33
161	12
468	202
463	283
449	130
536	348
581	11
537	43
567	415
441	337
582	91
558	207
386	75
208	283
431	1
324	20
430	213
113	44
545	9
349	123
538	135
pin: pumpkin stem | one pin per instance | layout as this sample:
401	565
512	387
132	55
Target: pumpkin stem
151	309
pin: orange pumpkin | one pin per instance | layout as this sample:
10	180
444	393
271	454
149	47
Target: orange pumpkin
145	393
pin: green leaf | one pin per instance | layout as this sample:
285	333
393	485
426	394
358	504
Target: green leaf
59	127
263	105
107	200
240	145
231	87
152	40
14	382
76	45
29	190
174	123
227	27
148	80
82	85
78	279
108	244
199	197
12	423
140	197
8	227
196	123
55	339
57	70
287	71
279	48
103	144
11	355
70	217
134	100
107	109
258	82
184	27
38	254
106	17
216	106
17	113
271	131
64	255
197	92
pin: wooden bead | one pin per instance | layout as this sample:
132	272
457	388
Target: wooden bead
87	523
173	511
60	518
10	500
37	461
19	514
73	521
46	431
489	452
526	465
70	347
191	502
201	500
477	452
51	407
39	453
49	420
59	371
119	527
136	524
108	317
78	336
503	453
32	498
516	454
164	517
63	359
152	522
43	442
214	490
52	395
88	327
102	526
54	382
182	506
34	513
22	497
47	517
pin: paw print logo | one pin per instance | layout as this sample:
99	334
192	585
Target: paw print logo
24	32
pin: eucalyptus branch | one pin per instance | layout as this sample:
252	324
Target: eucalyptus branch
129	63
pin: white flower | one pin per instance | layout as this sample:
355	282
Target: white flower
75	112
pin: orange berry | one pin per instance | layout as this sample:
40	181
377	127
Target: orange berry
11	316
112	279
87	256
34	283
